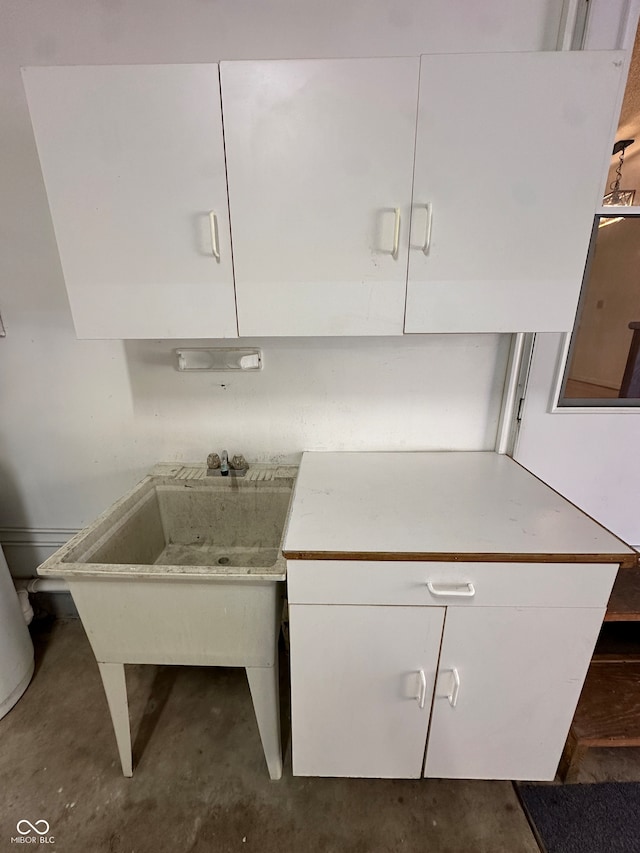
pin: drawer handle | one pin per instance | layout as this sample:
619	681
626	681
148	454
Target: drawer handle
422	688
213	226
464	590
452	696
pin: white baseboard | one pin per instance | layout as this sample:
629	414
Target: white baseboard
25	548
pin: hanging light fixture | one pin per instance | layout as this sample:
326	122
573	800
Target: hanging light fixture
617	197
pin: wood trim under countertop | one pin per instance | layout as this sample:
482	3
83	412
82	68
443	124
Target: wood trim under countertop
626	561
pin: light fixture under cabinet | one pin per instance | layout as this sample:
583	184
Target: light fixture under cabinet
219	358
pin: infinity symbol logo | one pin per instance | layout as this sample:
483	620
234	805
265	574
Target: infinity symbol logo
32	827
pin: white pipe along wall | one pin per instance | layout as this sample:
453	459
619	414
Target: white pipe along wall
42	585
84	420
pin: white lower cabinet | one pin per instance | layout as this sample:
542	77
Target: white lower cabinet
509	680
493	687
362	688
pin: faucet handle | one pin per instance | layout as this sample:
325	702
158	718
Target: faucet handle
238	463
213	461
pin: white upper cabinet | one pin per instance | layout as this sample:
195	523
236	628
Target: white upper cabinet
133	163
510	156
319	161
335	230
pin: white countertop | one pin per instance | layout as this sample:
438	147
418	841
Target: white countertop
430	505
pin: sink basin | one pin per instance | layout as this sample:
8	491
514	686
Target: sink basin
186	523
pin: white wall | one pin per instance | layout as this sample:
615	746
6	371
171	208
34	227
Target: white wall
80	421
592	459
73	441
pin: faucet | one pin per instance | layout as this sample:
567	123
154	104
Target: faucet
220	466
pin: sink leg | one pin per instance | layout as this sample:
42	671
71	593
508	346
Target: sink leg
115	687
263	683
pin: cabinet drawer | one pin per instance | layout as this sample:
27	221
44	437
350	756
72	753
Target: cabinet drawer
448	583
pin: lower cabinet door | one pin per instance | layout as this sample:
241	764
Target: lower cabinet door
508	683
362	681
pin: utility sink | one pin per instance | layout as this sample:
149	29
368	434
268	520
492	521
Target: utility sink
186	569
184	523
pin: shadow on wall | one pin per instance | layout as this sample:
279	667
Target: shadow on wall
13	522
12	509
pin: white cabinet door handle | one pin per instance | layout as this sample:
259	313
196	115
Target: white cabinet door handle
396	234
463	590
213	225
427	237
452	696
422	688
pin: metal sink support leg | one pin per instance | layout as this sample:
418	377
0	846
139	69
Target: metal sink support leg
264	686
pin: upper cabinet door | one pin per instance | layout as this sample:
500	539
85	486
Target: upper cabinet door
133	163
319	161
510	156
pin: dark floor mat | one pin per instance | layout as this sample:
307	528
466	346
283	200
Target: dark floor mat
585	818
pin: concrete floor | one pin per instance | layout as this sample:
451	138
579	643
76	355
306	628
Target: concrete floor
200	781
